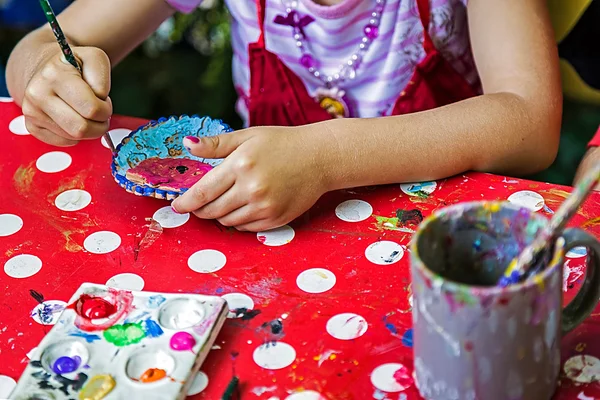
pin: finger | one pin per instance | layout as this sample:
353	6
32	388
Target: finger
71	122
47	136
258	226
219	146
78	95
95	65
38	118
211	186
240	216
221	206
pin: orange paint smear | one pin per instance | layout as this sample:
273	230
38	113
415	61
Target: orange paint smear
591	222
153	375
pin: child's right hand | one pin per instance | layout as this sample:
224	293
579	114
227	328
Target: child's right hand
62	107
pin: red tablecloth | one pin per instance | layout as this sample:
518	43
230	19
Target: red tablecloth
378	295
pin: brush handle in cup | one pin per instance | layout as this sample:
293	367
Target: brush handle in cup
586	300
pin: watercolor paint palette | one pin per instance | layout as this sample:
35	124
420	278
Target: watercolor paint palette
115	344
161	142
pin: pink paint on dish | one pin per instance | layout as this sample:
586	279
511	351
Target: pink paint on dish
170	173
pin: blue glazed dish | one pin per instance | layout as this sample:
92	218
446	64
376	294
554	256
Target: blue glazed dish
162	139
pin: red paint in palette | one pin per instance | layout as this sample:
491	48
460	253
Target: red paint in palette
92	307
100	312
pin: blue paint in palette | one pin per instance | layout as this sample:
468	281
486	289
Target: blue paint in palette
152	329
155	301
90	338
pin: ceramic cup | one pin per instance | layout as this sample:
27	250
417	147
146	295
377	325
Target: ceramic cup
474	340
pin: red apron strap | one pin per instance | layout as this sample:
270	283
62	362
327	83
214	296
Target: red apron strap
425	14
261	11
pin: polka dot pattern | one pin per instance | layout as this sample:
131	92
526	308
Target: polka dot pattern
48	312
391	378
102	242
73	200
54	161
384	252
276	355
316	280
116	135
199	383
207	261
418	189
354	211
167	218
126	281
346	326
17	126
276	237
582	369
10	224
23	266
305	395
237	301
7	384
526	198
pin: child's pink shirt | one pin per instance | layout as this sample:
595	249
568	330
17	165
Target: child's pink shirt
335	35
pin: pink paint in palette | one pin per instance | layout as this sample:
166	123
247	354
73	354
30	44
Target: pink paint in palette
116	344
168	173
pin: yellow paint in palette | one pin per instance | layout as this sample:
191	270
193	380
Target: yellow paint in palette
97	388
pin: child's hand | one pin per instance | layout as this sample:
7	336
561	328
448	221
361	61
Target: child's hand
270	176
61	107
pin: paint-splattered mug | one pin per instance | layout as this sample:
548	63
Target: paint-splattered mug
474	340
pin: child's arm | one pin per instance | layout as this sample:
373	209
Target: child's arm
272	175
591	158
60	107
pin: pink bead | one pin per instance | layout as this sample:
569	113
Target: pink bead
307	61
371	31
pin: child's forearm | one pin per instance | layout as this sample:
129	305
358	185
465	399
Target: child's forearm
499	133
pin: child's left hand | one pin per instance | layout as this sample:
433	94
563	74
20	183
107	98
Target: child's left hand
269	177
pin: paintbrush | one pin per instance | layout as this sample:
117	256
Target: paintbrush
528	260
66	50
231	389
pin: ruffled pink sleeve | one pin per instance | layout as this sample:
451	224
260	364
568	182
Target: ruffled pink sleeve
187	6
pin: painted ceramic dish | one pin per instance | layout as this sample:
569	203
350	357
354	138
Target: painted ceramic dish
153	162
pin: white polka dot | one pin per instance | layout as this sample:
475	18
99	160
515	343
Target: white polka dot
235	301
17	126
384	252
305	395
346	326
126	281
528	199
102	242
199	383
54	161
7	384
575	252
167	218
418	189
276	237
6	100
316	280
276	355
116	136
207	261
353	211
73	200
383	378
23	266
582	369
10	224
48	312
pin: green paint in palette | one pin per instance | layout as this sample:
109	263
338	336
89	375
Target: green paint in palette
124	335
